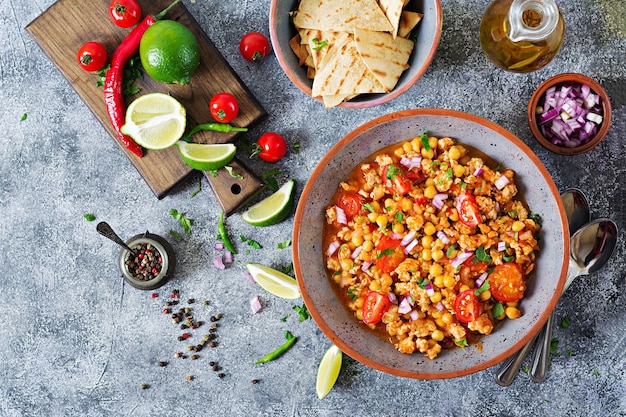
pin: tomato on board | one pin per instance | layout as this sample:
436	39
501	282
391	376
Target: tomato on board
506	282
374	306
125	13
469	213
395	179
467	306
224	107
271	147
351	204
389	254
254	46
92	56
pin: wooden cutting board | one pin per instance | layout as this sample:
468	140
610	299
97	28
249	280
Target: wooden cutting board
67	24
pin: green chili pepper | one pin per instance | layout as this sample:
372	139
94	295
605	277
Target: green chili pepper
223	236
217	127
291	339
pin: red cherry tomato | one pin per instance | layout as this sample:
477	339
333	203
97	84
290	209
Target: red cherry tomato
254	46
389	254
506	282
395	179
92	56
466	206
271	146
467	306
125	13
224	107
351	203
374	306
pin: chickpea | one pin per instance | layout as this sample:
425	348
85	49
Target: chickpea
427	241
458	171
416	144
449	281
358	303
346	264
453	215
375	205
390	204
437	314
454	153
464	287
430	192
513	313
407	147
429	229
518	226
374	286
435	270
372	217
437	335
368	245
406	204
427	255
430	154
437	255
429	181
435	298
359	314
433	142
386	280
439	322
357	240
438	281
398	152
382	220
485	295
397	228
447	318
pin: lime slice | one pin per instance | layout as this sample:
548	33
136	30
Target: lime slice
273	281
273	209
328	371
206	157
155	121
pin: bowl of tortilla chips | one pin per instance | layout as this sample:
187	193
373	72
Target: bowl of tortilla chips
355	53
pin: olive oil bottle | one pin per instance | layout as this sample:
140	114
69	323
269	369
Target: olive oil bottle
521	35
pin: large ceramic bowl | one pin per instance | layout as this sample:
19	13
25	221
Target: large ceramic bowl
428	35
535	184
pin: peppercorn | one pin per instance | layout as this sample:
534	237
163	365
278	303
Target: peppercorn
215	367
145	386
255	381
221	375
190	348
180	338
189	377
162	363
194	357
154	295
213	344
139	267
205	302
178	354
212	363
191	301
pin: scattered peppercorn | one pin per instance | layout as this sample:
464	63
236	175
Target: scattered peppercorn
154	295
205	302
221	375
189	377
215	367
145	386
194	357
255	381
162	363
212	363
213	344
191	301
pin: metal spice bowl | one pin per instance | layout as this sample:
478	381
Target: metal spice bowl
167	265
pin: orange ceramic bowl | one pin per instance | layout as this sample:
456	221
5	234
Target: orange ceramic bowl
539	96
427	41
535	184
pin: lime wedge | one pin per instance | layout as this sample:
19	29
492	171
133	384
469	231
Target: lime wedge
206	157
273	209
155	121
328	371
273	281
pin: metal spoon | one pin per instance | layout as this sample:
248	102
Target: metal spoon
577	213
591	248
107	231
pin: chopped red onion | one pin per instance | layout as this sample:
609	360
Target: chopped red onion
460	258
366	265
479	171
443	237
396	236
439	306
410	246
341	215
249	277
481	279
228	257
219	246
392	298
411	163
404	306
438	200
501	246
429	290
356	252
502	182
255	304
414	315
408	238
219	263
332	248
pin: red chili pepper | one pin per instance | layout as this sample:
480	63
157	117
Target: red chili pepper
113	82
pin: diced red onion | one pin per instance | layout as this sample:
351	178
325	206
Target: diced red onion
332	248
219	263
219	246
501	246
228	257
443	237
439	306
429	290
366	265
481	279
502	182
438	200
392	298
249	277
411	163
396	236
404	306
255	304
479	171
341	215
356	252
408	238
460	258
414	315
410	246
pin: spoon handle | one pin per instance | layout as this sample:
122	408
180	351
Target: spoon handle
107	231
541	355
509	369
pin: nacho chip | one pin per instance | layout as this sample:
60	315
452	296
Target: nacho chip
319	42
298	49
385	56
393	10
408	21
341	15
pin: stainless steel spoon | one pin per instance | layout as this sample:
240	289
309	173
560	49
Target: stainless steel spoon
577	214
591	248
107	231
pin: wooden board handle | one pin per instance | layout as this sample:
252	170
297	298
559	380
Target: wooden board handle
232	191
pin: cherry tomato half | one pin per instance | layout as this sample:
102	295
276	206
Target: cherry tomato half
506	282
389	254
272	147
224	107
125	13
467	306
254	46
351	204
374	306
396	179
466	206
92	56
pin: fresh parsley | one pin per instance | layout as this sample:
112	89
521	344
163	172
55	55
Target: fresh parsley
483	287
89	217
175	235
285	244
554	345
320	44
197	189
232	172
269	177
369	207
565	322
385	252
296	147
184	221
303	313
351	293
497	310
424	140
482	255
24	116
250	242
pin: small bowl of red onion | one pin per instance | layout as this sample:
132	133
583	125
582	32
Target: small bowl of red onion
569	114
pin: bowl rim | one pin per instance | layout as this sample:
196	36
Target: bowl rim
379	99
595	86
298	267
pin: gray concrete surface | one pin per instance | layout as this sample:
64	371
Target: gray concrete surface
76	341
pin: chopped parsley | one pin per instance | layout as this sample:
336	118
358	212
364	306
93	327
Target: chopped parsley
461	343
497	310
565	322
351	293
251	242
399	216
24	116
89	217
385	252
554	345
285	244
195	193
320	44
287	269
481	255
184	221
296	147
484	287
232	173
536	218
369	207
303	313
175	235
450	250
424	140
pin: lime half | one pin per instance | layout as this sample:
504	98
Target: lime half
155	121
206	157
273	281
328	371
273	209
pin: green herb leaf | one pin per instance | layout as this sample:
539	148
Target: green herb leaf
449	174
424	140
385	252
351	293
197	189
24	116
284	318
450	250
285	244
287	269
554	345
296	147
269	177
175	235
184	221
461	343
251	242
482	255
537	218
497	310
89	217
303	313
319	44
565	322
483	287
232	173
369	207
399	216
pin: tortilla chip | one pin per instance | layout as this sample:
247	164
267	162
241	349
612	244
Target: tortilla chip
343	71
341	15
408	21
298	49
334	100
319	42
393	10
385	56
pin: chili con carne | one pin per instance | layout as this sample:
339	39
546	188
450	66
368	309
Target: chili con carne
113	97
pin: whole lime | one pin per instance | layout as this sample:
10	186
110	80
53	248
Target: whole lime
169	52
